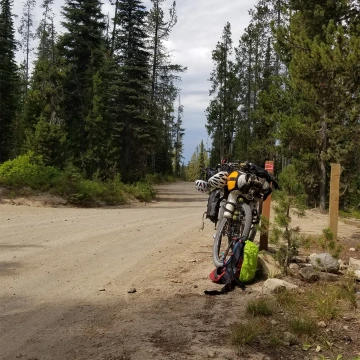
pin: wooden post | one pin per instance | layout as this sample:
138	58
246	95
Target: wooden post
266	206
334	199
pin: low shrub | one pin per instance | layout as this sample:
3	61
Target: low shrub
141	191
159	178
28	171
87	192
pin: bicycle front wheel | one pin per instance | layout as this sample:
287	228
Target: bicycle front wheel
229	229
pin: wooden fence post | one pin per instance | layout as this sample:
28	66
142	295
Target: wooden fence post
266	207
334	199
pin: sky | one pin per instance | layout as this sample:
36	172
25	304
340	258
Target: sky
199	28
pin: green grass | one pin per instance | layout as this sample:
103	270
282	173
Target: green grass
350	214
286	300
347	292
303	326
297	313
247	333
260	307
324	300
275	340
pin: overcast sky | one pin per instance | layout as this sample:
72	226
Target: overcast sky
200	25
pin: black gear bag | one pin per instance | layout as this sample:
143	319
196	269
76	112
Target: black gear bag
213	206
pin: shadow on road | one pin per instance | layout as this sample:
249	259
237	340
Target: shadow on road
166	328
9	268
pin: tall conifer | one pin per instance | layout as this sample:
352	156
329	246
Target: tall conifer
134	132
8	79
82	47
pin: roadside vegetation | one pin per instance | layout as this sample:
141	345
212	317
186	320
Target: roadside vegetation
318	320
310	321
28	175
350	214
160	179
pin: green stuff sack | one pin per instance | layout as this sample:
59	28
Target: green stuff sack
249	265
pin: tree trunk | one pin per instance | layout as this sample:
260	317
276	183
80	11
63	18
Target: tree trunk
27	52
322	164
277	60
249	102
114	28
256	72
155	59
52	41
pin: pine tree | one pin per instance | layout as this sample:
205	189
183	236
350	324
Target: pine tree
46	31
159	31
95	159
8	80
199	161
162	113
134	133
202	157
82	47
45	85
193	172
27	36
115	23
43	118
255	64
321	57
178	140
48	140
222	109
164	76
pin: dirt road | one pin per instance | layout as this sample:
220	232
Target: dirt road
65	275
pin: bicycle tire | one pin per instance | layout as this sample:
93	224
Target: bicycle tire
253	232
225	230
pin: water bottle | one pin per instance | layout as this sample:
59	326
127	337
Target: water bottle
230	204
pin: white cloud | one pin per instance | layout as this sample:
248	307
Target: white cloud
199	28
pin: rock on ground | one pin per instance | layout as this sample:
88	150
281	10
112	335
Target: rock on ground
324	262
274	285
268	265
308	274
357	274
294	266
354	268
342	264
354	264
290	338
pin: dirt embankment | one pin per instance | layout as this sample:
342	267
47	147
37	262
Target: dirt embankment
65	275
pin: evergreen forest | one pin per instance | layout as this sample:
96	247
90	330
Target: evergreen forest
288	91
101	101
102	96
